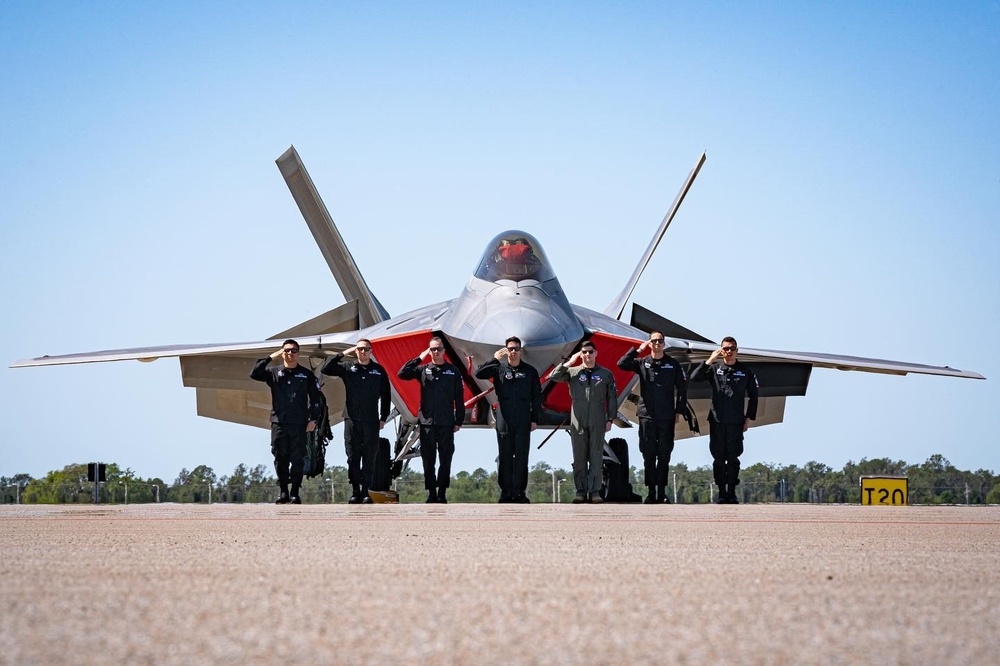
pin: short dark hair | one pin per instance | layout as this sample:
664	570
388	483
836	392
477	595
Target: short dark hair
588	343
730	338
654	332
289	341
511	339
360	340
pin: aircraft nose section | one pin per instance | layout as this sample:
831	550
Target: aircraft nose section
525	311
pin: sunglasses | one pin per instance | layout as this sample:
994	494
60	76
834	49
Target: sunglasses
588	352
656	341
290	351
729	349
435	350
513	349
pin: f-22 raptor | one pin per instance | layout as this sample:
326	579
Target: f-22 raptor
513	290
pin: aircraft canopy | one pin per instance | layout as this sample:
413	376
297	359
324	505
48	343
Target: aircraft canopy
514	255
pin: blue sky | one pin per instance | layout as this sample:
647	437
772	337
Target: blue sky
852	187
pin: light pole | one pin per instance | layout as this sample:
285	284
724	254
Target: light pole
332	498
559	490
125	483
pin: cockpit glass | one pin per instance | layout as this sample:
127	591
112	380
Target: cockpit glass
514	255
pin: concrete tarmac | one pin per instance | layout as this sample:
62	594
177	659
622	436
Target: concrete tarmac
499	584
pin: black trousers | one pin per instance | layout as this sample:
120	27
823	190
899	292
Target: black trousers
435	440
514	445
361	447
288	446
656	443
725	443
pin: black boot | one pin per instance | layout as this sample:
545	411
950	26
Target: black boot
652	498
662	495
432	496
355	495
723	494
442	497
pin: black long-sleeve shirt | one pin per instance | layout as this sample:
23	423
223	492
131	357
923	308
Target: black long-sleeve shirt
296	398
366	386
662	384
733	387
519	393
440	392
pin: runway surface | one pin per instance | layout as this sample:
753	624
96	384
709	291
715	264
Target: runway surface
490	584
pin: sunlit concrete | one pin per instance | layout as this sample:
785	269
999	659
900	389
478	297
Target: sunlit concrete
484	584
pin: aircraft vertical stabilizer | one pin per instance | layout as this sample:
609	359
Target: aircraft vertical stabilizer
617	306
330	242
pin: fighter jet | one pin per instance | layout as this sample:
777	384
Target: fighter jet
513	290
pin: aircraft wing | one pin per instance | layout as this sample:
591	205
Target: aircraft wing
781	373
220	373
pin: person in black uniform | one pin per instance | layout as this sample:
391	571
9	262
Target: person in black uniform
734	405
442	412
296	407
519	407
662	395
366	409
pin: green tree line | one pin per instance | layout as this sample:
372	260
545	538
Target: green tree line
935	481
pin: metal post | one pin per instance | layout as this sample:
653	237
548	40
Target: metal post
554	487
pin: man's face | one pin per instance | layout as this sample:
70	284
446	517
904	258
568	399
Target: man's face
729	352
513	353
437	352
364	353
656	345
290	356
589	356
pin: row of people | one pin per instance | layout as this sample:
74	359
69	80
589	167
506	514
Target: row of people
663	383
